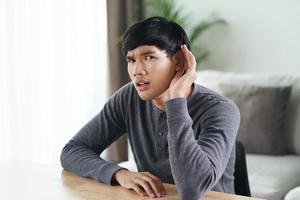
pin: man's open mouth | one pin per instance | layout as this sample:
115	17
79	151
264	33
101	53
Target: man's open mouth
142	85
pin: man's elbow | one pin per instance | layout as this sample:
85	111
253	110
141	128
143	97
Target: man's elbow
197	190
65	154
63	157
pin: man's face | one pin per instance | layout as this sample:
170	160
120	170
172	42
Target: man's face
150	70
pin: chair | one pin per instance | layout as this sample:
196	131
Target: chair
241	182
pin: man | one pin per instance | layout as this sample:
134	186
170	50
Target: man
179	132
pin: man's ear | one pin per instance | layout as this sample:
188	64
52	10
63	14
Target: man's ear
179	60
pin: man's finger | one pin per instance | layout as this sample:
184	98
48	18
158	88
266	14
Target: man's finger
157	181
190	58
156	185
146	186
185	57
138	190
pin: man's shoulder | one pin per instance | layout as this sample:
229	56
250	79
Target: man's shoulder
126	91
127	87
204	97
122	99
208	94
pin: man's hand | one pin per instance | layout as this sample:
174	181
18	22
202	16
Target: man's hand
185	76
143	183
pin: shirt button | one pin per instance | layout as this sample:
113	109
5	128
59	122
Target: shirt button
159	148
160	133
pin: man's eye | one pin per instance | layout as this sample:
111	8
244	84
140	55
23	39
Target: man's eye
129	60
149	57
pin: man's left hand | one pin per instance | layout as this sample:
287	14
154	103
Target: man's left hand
182	82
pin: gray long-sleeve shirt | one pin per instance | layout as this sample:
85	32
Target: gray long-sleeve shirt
191	144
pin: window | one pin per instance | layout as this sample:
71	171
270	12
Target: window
53	74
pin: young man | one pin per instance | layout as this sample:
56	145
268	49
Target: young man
179	132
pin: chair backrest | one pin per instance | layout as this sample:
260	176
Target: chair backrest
241	182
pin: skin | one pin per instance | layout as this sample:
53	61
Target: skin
169	77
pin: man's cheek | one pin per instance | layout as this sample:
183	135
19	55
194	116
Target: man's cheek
130	75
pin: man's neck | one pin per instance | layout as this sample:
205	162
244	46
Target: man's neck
160	101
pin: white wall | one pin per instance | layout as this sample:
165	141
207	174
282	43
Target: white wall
262	35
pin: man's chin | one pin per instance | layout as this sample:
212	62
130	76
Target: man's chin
145	97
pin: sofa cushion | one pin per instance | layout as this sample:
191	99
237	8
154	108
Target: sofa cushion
263	112
293	118
271	177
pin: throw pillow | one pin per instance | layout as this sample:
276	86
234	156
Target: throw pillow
263	110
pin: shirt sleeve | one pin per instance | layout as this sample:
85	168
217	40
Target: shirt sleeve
81	154
197	164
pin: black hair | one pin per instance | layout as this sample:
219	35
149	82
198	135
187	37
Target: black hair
158	31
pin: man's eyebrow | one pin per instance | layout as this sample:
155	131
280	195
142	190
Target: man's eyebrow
147	53
129	57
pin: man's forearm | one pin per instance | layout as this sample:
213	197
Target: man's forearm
197	164
83	161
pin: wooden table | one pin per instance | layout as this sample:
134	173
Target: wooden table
21	180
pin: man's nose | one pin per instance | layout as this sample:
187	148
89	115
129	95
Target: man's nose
139	69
